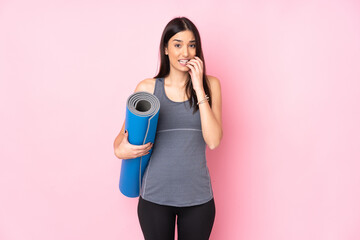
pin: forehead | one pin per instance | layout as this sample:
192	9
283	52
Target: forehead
185	36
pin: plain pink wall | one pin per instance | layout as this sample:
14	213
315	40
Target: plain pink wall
288	165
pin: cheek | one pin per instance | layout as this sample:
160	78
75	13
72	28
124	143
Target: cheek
173	58
172	53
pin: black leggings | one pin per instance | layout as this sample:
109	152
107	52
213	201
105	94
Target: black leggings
158	221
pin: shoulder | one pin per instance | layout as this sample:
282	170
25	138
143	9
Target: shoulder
214	83
146	85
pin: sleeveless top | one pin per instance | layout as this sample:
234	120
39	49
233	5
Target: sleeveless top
177	173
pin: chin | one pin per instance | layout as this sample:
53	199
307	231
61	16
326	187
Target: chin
182	68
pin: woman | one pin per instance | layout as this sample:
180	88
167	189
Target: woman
176	182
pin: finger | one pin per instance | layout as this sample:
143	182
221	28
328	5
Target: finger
191	67
126	136
196	60
195	67
195	64
141	154
199	65
146	149
141	147
145	153
149	147
200	61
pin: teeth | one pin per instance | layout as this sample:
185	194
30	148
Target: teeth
183	61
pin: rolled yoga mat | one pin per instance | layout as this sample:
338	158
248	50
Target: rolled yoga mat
142	113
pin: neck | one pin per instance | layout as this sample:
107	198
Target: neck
177	79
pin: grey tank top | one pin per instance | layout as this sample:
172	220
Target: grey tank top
177	173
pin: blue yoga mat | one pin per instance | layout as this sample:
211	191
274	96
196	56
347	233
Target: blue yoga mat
142	113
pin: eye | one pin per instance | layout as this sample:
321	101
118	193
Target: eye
177	45
193	45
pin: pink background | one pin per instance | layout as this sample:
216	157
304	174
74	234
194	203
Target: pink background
288	165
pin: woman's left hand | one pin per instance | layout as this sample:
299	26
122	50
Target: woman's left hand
196	73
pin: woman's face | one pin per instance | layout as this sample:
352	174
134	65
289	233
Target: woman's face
181	48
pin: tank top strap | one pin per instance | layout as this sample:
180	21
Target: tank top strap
159	84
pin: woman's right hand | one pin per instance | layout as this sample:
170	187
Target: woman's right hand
126	150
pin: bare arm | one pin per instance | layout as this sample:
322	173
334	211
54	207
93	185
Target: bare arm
211	119
210	116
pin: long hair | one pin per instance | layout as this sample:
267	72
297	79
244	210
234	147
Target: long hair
176	25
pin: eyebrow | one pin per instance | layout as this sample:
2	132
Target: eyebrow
178	40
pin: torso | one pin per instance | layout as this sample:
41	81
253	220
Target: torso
177	174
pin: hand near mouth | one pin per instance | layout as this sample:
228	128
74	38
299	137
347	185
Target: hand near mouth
196	73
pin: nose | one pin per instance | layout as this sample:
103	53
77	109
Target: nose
185	52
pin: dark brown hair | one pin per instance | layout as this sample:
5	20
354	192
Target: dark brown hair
176	25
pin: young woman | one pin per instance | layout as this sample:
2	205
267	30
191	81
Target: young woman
176	182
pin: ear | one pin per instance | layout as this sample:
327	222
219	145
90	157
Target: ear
166	51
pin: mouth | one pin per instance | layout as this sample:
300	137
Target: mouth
183	61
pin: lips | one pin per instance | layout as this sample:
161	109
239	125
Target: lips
183	61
